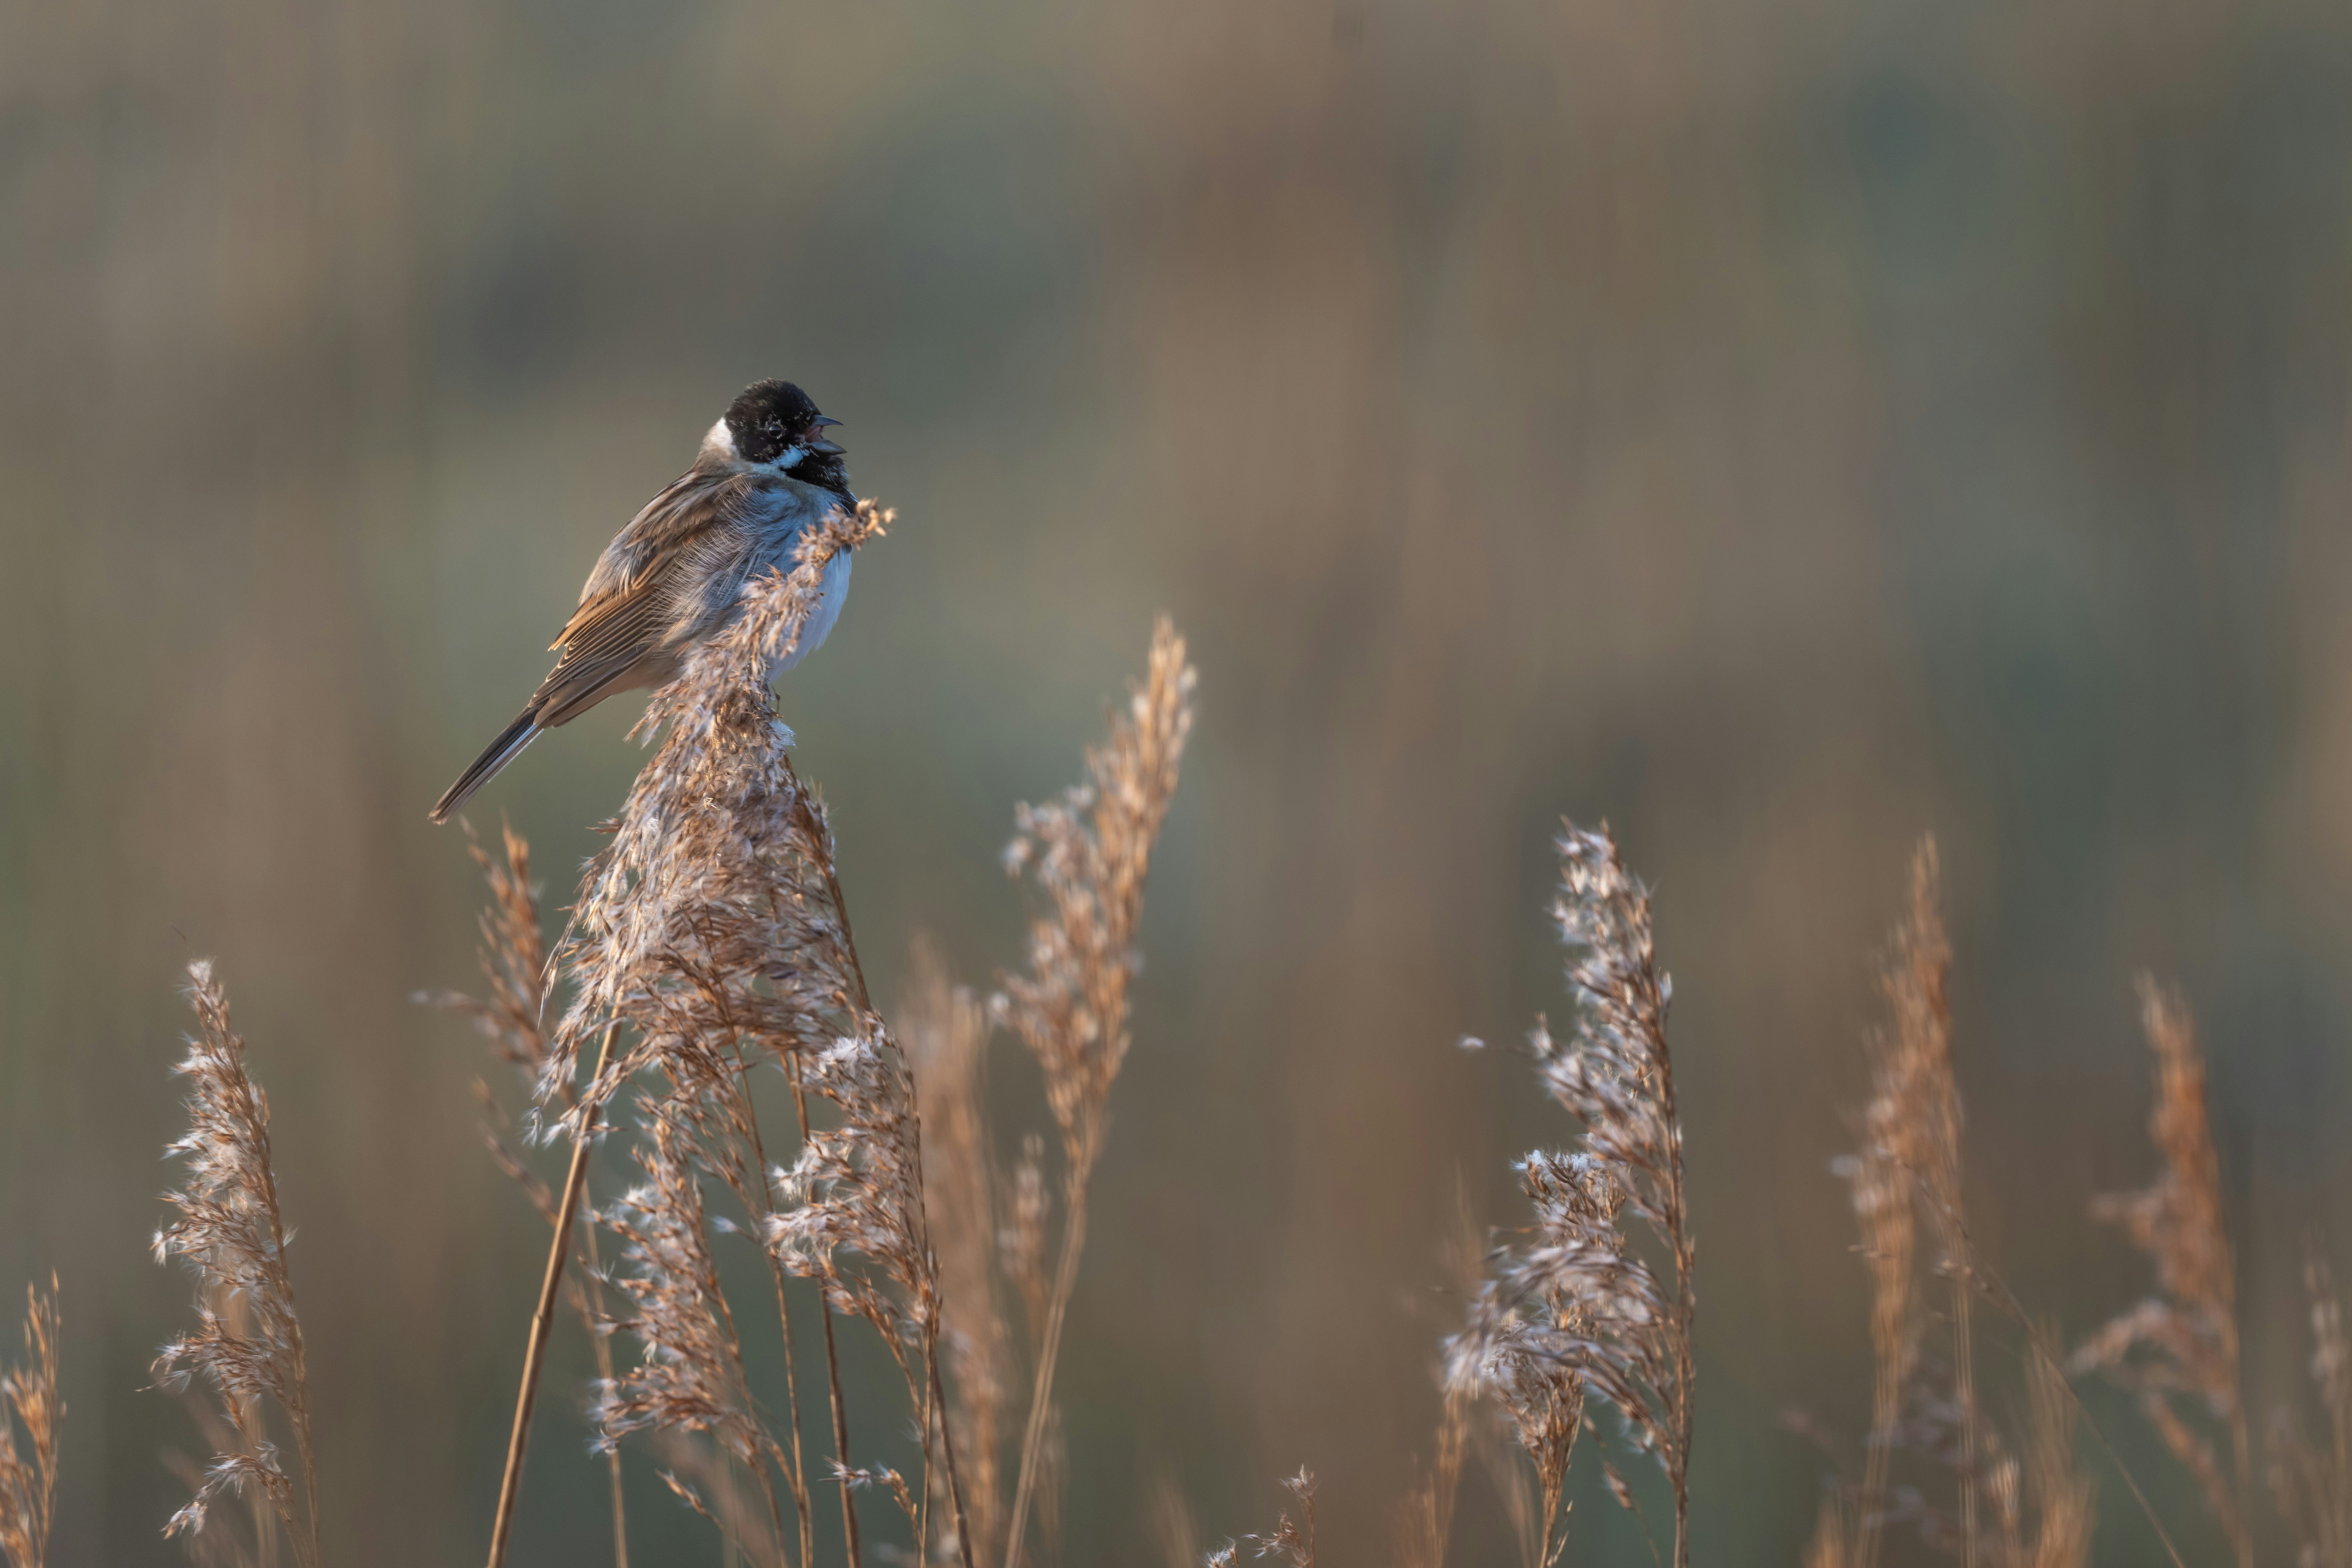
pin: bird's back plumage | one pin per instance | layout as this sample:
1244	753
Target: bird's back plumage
666	582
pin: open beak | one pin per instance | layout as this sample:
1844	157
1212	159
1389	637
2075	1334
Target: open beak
828	448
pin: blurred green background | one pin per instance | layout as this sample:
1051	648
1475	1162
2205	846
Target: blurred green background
1778	429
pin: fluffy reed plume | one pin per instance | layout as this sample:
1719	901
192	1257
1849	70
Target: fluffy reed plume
29	1394
712	932
2019	1506
1087	855
690	1378
1288	1539
2313	1480
230	1234
710	833
854	1217
1525	1361
1909	1164
513	957
946	1033
2181	1344
1573	1310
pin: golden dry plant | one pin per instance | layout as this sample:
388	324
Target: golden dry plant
511	1016
228	1230
711	943
711	939
946	1031
1574	1308
1086	857
29	1401
2023	1503
2177	1350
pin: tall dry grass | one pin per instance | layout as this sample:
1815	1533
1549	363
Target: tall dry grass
1598	1297
1935	1460
711	951
1086	856
2179	1347
29	1401
712	944
511	1016
229	1231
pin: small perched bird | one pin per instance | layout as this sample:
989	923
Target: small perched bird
673	577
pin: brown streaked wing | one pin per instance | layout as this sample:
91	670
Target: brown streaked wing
614	628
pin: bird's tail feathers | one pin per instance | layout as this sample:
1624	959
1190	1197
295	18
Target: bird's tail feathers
494	757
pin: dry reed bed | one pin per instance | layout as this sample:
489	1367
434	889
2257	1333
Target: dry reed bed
712	946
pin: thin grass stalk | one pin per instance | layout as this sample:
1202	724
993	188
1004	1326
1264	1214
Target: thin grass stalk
1916	1130
832	1370
865	1010
945	1036
600	1349
2005	1299
1919	985
947	1450
512	956
2182	1342
795	1475
1049	1350
542	1317
1425	1521
231	1232
1575	1307
1089	854
28	1486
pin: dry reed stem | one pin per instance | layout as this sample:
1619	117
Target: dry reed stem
1087	854
947	1037
2313	1481
229	1232
1910	1162
1425	1519
543	1323
1925	1139
1897	1138
2182	1343
1571	1309
2035	1501
513	959
29	1394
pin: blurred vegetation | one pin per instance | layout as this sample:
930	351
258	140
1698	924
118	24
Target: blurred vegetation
1779	429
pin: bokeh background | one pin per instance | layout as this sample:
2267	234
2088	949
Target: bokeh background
1780	429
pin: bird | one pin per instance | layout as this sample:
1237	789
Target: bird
673	578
